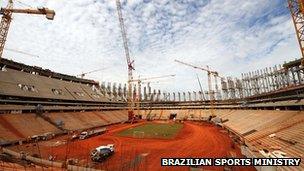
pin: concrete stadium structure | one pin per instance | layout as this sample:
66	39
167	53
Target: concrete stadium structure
73	104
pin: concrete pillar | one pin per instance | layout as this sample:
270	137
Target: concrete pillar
158	95
103	88
149	92
154	95
109	91
119	91
194	96
125	91
114	90
145	93
174	99
189	96
134	94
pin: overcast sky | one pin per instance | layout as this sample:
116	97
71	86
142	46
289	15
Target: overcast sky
231	36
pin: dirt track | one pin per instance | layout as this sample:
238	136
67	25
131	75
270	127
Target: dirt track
193	141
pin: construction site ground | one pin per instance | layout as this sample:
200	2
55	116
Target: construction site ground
193	140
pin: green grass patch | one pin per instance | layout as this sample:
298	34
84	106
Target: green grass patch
153	130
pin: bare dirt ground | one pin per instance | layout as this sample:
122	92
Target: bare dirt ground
194	140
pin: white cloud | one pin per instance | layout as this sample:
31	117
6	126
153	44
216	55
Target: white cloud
230	36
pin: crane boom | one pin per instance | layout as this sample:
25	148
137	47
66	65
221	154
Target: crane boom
41	11
89	72
129	62
152	78
21	52
7	18
196	67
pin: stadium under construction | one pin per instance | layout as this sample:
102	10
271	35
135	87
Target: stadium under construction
53	121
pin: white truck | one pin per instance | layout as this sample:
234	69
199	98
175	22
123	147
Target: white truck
86	134
102	152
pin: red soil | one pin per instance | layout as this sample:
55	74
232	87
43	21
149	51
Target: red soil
193	141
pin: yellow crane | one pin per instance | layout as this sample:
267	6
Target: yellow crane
296	8
7	18
209	73
139	82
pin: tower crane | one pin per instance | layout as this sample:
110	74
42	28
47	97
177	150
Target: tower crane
7	18
296	8
209	73
85	73
130	62
140	81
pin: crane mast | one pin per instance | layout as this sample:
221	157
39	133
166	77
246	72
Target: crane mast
209	73
296	8
7	18
129	62
4	25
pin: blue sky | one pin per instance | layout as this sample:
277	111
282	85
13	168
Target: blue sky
230	36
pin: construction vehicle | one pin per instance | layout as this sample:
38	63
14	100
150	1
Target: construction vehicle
7	18
211	91
86	134
102	152
130	63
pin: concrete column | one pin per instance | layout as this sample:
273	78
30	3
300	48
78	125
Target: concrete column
194	96
103	88
154	95
119	91
174	96
189	96
145	93
158	95
149	92
109	91
114	90
125	91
